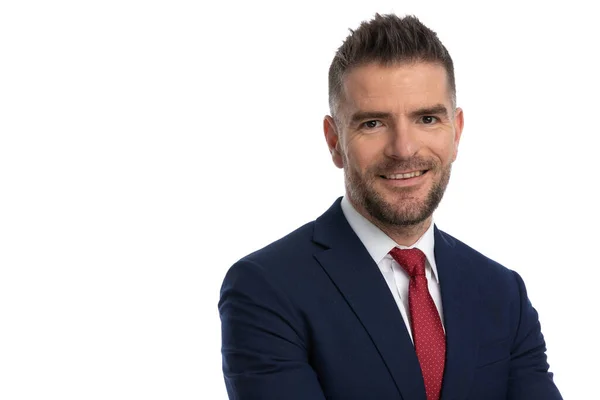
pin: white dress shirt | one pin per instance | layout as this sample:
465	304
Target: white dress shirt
378	244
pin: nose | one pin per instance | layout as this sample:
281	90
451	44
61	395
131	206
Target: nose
402	141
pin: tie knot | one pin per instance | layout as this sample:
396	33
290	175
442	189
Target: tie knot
412	260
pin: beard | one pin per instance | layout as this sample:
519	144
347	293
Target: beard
407	208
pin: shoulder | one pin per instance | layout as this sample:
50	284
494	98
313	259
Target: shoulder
474	263
290	263
295	245
284	259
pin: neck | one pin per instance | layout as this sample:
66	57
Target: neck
405	235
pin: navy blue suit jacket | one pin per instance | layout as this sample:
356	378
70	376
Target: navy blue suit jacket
311	317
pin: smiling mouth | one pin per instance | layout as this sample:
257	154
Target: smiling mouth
406	175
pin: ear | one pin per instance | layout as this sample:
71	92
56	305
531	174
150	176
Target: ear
332	138
459	123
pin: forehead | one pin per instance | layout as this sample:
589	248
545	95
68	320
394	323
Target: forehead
396	88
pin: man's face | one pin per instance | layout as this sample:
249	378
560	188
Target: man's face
395	134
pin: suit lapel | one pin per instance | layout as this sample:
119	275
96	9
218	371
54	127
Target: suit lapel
459	298
359	280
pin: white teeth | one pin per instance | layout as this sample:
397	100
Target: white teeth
405	176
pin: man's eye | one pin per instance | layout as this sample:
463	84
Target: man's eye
429	119
372	124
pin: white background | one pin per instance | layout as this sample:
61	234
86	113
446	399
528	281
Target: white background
146	146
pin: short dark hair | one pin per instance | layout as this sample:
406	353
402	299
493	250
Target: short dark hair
388	39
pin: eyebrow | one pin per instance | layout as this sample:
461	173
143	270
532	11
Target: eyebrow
438	109
363	115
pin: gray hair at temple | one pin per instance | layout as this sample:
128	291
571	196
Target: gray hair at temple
387	40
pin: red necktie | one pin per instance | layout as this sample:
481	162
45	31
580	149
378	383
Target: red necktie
427	330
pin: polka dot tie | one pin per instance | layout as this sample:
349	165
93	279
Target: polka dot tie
426	325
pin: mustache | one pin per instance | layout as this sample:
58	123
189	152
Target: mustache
415	163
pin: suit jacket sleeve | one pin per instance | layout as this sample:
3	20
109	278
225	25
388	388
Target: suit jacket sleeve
529	377
264	354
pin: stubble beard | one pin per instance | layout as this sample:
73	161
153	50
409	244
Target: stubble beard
406	210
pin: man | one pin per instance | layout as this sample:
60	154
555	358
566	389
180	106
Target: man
372	300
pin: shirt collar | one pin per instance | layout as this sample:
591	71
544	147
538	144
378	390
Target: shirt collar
378	244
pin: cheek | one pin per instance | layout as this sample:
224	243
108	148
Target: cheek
451	154
362	154
360	160
445	150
